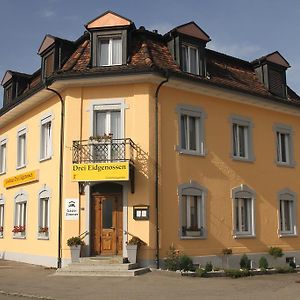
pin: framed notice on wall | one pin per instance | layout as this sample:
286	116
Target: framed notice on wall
72	209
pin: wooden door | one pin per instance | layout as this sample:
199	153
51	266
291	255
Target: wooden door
107	224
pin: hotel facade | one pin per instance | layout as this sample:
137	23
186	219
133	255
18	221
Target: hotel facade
126	132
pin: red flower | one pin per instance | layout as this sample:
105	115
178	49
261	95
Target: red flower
18	229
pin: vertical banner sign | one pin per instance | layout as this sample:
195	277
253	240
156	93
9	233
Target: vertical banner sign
72	209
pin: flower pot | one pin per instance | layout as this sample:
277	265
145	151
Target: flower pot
75	253
131	253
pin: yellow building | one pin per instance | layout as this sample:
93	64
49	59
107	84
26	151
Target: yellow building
126	132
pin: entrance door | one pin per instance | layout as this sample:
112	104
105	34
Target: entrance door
107	226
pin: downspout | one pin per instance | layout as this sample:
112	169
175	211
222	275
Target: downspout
61	157
156	168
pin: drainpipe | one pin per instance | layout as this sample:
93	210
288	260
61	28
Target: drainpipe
156	168
61	157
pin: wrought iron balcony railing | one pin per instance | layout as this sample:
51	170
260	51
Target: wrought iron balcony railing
105	150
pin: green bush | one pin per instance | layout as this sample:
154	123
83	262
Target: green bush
185	263
234	273
75	241
285	270
275	252
172	260
178	261
208	267
263	263
245	262
200	272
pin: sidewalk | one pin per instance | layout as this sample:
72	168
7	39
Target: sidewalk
29	280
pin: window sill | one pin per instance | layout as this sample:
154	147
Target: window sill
45	238
287	235
246	236
1	236
20	167
285	165
190	152
193	237
45	159
3	173
15	237
241	159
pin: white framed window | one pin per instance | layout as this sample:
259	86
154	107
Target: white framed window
287	213
241	132
19	230
243	211
3	153
46	138
2	206
109	51
284	145
44	217
190	59
191	130
192	211
21	148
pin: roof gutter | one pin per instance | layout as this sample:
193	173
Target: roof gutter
61	160
157	256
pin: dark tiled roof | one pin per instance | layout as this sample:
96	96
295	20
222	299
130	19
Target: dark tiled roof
149	52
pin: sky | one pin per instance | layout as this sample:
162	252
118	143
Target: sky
247	29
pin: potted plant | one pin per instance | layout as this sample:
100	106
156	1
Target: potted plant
132	247
75	243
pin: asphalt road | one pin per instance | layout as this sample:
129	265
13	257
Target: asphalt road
23	281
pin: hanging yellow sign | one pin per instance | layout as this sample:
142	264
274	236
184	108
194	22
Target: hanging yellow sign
21	179
112	171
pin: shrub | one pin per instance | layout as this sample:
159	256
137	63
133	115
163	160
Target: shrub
263	263
172	260
233	273
208	267
285	270
275	252
200	272
75	241
178	261
245	262
185	263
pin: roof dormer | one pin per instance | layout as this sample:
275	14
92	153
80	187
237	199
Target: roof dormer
14	84
271	71
187	44
54	52
109	39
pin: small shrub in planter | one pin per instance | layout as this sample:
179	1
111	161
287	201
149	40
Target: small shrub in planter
285	270
200	272
275	252
185	263
172	260
245	262
208	267
233	273
75	241
263	263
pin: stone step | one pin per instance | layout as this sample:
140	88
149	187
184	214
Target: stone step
102	260
84	266
103	273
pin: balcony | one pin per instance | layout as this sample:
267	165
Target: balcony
104	159
103	150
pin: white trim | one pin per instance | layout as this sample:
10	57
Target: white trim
44	192
20	197
22	131
108	104
45	119
3	164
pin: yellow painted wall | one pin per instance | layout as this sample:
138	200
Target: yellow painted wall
48	175
218	173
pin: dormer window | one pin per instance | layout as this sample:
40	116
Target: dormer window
187	46
190	59
109	36
271	71
8	94
109	51
48	65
